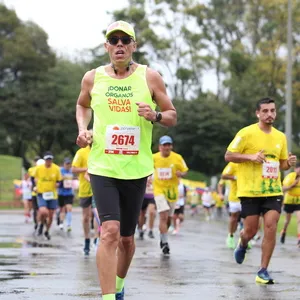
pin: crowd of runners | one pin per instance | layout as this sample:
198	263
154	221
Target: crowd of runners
116	167
49	191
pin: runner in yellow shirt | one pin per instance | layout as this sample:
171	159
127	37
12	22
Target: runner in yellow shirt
47	178
79	166
261	152
31	172
291	187
230	173
219	203
223	188
168	168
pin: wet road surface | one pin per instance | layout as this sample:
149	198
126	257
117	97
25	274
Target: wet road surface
199	267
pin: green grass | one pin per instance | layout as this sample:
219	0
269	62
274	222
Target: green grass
11	168
292	228
10	245
196	176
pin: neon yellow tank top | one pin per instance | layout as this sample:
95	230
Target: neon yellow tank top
121	138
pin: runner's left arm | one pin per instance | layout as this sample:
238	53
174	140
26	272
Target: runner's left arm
159	95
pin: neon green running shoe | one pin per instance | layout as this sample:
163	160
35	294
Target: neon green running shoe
230	242
264	277
249	246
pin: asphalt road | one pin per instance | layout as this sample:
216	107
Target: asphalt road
199	267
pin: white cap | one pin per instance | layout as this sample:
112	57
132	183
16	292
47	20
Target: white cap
40	162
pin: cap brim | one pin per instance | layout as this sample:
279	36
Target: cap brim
48	157
119	29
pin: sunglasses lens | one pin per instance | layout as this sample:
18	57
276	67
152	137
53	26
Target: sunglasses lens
113	40
126	40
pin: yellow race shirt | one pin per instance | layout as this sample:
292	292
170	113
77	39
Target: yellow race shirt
47	179
226	186
291	196
259	180
231	169
165	180
219	202
31	172
80	161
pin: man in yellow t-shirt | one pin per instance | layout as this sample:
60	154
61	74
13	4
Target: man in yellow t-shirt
261	152
168	168
47	177
230	173
291	187
80	166
31	172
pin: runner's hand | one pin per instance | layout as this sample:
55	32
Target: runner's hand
84	138
292	159
259	157
144	110
178	174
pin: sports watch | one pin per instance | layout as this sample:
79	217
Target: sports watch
158	116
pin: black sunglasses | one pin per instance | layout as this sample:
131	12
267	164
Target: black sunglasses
126	40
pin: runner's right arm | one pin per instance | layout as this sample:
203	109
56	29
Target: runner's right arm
83	109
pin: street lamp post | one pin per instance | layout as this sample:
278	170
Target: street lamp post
288	95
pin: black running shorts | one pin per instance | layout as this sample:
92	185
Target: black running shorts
256	206
146	202
64	200
179	211
119	200
85	202
290	208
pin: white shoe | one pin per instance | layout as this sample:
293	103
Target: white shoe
61	226
171	228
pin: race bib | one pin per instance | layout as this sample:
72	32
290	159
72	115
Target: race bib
122	140
48	196
164	173
270	169
67	183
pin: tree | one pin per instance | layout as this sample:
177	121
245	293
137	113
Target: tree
25	58
205	128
